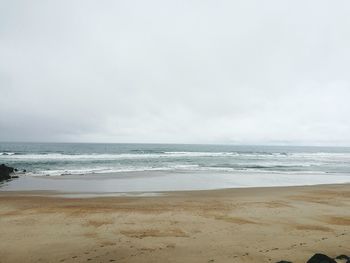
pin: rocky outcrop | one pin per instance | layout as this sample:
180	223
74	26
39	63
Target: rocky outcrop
321	258
5	172
343	257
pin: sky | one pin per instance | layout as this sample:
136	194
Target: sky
227	72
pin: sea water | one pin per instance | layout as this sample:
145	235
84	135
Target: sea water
86	158
157	167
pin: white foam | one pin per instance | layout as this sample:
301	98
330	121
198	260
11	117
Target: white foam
7	153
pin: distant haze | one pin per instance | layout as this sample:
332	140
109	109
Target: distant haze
240	72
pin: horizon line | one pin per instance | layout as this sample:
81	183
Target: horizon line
172	143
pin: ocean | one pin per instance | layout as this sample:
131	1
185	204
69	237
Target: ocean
55	159
87	168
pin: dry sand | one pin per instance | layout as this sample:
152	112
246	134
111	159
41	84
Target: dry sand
236	225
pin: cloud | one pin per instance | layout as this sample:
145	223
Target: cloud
185	71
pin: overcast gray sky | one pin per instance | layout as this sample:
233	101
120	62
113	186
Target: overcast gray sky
243	72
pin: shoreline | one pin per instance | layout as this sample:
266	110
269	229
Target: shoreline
167	181
184	193
265	224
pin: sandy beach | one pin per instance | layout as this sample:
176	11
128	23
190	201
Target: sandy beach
233	225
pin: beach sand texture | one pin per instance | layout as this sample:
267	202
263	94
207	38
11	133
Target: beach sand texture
234	225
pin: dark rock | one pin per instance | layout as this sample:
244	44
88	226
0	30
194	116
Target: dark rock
343	257
321	258
5	172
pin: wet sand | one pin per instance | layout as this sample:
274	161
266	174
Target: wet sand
234	225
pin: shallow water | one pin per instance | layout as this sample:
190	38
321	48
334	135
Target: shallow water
160	181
